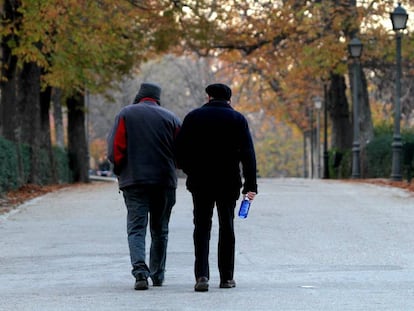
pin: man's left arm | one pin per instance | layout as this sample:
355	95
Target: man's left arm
248	160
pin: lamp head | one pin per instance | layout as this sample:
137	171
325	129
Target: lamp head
318	102
399	18
355	48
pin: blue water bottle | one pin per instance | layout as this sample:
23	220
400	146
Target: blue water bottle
244	207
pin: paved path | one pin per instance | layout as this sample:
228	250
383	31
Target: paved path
306	245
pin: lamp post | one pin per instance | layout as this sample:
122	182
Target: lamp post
355	50
399	21
318	105
312	162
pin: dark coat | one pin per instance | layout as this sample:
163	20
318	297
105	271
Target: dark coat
212	143
141	145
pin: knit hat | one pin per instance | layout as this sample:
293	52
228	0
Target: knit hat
219	91
151	90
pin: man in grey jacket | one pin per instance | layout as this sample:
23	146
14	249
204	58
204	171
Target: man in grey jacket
140	147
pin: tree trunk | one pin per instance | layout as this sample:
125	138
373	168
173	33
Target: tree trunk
365	123
57	117
28	103
8	108
8	111
77	146
339	113
46	143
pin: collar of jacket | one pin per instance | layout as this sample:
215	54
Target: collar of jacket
148	99
218	103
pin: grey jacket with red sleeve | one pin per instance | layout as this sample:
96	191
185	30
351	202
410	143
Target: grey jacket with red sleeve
141	145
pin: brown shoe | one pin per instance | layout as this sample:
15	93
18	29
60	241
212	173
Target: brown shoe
201	284
227	284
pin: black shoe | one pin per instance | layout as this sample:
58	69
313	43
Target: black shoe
201	284
141	284
157	283
227	284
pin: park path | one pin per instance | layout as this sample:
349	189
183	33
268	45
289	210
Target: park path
306	245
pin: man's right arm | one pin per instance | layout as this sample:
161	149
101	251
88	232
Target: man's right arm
117	145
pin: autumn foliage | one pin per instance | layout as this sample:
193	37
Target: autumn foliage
278	55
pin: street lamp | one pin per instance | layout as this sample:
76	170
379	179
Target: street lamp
355	50
399	21
318	105
312	165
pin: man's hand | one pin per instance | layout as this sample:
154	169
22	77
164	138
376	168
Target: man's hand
251	195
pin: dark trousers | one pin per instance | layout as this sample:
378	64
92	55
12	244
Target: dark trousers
203	213
155	203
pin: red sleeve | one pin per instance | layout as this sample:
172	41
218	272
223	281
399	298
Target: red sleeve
177	129
120	143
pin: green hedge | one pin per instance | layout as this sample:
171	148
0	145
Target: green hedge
340	164
377	157
15	165
8	166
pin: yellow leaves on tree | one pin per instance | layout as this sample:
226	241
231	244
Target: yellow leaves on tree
87	44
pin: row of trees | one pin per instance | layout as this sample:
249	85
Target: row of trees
294	48
277	54
62	49
280	55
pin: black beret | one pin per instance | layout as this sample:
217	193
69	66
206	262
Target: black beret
219	91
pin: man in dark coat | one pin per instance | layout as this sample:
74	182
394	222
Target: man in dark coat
212	143
141	148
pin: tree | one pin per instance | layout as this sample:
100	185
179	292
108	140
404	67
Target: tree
76	46
56	98
77	146
286	49
29	126
8	109
295	47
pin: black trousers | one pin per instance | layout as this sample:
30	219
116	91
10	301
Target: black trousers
203	213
